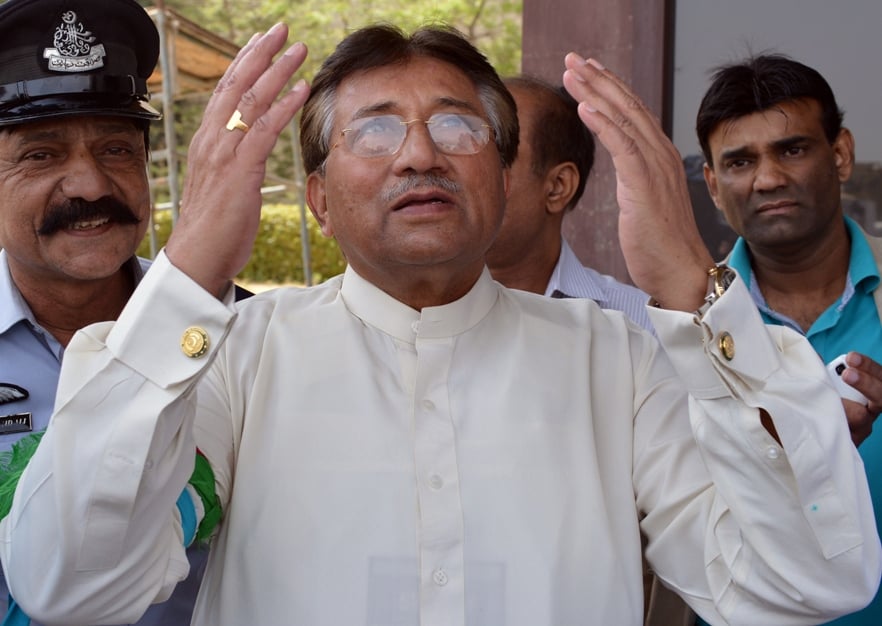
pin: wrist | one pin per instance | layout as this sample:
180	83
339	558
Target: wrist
719	278
687	293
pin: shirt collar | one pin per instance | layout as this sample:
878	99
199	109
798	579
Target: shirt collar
565	277
13	307
377	308
862	270
739	260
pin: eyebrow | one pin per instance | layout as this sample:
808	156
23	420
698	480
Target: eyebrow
793	140
387	105
778	145
736	153
366	111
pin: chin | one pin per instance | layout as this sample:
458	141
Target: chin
93	266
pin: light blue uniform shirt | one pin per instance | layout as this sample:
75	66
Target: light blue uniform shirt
30	357
851	323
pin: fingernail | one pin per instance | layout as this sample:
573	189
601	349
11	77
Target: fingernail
853	359
300	85
295	49
587	107
574	75
596	64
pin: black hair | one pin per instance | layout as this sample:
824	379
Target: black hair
381	45
759	83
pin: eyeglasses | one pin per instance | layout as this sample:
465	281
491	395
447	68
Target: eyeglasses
383	135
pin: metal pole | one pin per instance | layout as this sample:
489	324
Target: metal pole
167	67
305	249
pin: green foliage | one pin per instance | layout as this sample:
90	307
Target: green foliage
276	257
494	26
12	463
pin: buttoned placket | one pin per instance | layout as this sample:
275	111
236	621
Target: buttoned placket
440	523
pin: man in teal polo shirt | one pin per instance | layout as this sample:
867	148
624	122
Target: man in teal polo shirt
776	156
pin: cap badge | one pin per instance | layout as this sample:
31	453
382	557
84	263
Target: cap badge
74	50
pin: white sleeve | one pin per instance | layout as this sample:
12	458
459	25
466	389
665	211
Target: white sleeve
790	525
93	534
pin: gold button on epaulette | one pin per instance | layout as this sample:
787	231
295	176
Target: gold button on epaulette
194	342
727	346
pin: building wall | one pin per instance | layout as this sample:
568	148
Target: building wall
629	37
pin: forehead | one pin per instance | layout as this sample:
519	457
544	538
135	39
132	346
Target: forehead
417	88
786	119
68	128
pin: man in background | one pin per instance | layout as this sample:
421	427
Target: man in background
548	177
776	158
393	436
74	206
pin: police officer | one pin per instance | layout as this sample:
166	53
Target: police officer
74	205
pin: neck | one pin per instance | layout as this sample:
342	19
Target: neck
804	266
423	287
802	284
529	271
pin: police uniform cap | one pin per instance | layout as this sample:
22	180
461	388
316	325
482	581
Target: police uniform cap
75	57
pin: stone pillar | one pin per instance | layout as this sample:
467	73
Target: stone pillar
634	38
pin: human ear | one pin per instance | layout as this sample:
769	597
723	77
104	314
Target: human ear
561	183
710	179
316	200
843	154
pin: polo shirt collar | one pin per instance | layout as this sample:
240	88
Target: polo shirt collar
14	309
862	270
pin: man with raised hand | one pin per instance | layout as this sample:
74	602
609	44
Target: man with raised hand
411	442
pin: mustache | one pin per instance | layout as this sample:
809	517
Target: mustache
415	181
65	215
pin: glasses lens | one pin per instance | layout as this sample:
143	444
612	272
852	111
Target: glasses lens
375	136
383	135
458	134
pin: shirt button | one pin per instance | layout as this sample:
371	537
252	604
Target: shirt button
439	576
415	327
773	452
436	482
727	346
428	405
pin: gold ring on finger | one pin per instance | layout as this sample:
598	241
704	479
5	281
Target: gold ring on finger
235	122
